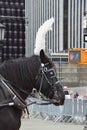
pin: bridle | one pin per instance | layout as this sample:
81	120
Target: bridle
46	73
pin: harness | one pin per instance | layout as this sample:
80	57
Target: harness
15	99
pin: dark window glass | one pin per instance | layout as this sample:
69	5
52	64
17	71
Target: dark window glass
65	23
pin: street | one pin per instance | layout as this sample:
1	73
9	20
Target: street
39	124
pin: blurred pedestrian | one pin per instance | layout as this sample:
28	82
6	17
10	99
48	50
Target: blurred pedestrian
76	95
71	94
66	92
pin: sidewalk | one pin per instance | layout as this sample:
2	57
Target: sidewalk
39	124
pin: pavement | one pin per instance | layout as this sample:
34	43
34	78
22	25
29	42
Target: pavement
39	124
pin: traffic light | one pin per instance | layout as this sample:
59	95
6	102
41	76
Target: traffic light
77	56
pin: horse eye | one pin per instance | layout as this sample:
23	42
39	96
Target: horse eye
45	69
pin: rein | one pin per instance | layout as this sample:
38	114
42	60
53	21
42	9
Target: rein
16	87
15	100
37	103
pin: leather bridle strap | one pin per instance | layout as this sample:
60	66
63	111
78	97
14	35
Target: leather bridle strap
16	87
16	99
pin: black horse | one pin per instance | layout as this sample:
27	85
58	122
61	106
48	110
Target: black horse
18	78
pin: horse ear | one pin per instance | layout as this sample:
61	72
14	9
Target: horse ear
42	53
42	56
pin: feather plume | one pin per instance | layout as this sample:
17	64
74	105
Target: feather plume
40	36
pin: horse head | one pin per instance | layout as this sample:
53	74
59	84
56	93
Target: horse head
47	81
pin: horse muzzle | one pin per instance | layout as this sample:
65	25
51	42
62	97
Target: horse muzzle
57	102
58	99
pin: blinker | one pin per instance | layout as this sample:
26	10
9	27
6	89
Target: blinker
50	73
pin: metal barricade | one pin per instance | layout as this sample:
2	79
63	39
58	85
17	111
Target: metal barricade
73	110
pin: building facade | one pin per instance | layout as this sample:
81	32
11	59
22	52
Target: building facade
12	15
68	29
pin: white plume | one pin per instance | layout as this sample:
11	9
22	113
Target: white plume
40	36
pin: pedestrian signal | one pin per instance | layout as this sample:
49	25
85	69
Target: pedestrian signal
77	56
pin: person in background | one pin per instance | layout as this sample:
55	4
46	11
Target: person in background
76	95
66	92
71	94
65	89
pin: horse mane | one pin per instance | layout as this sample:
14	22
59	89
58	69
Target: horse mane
21	71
